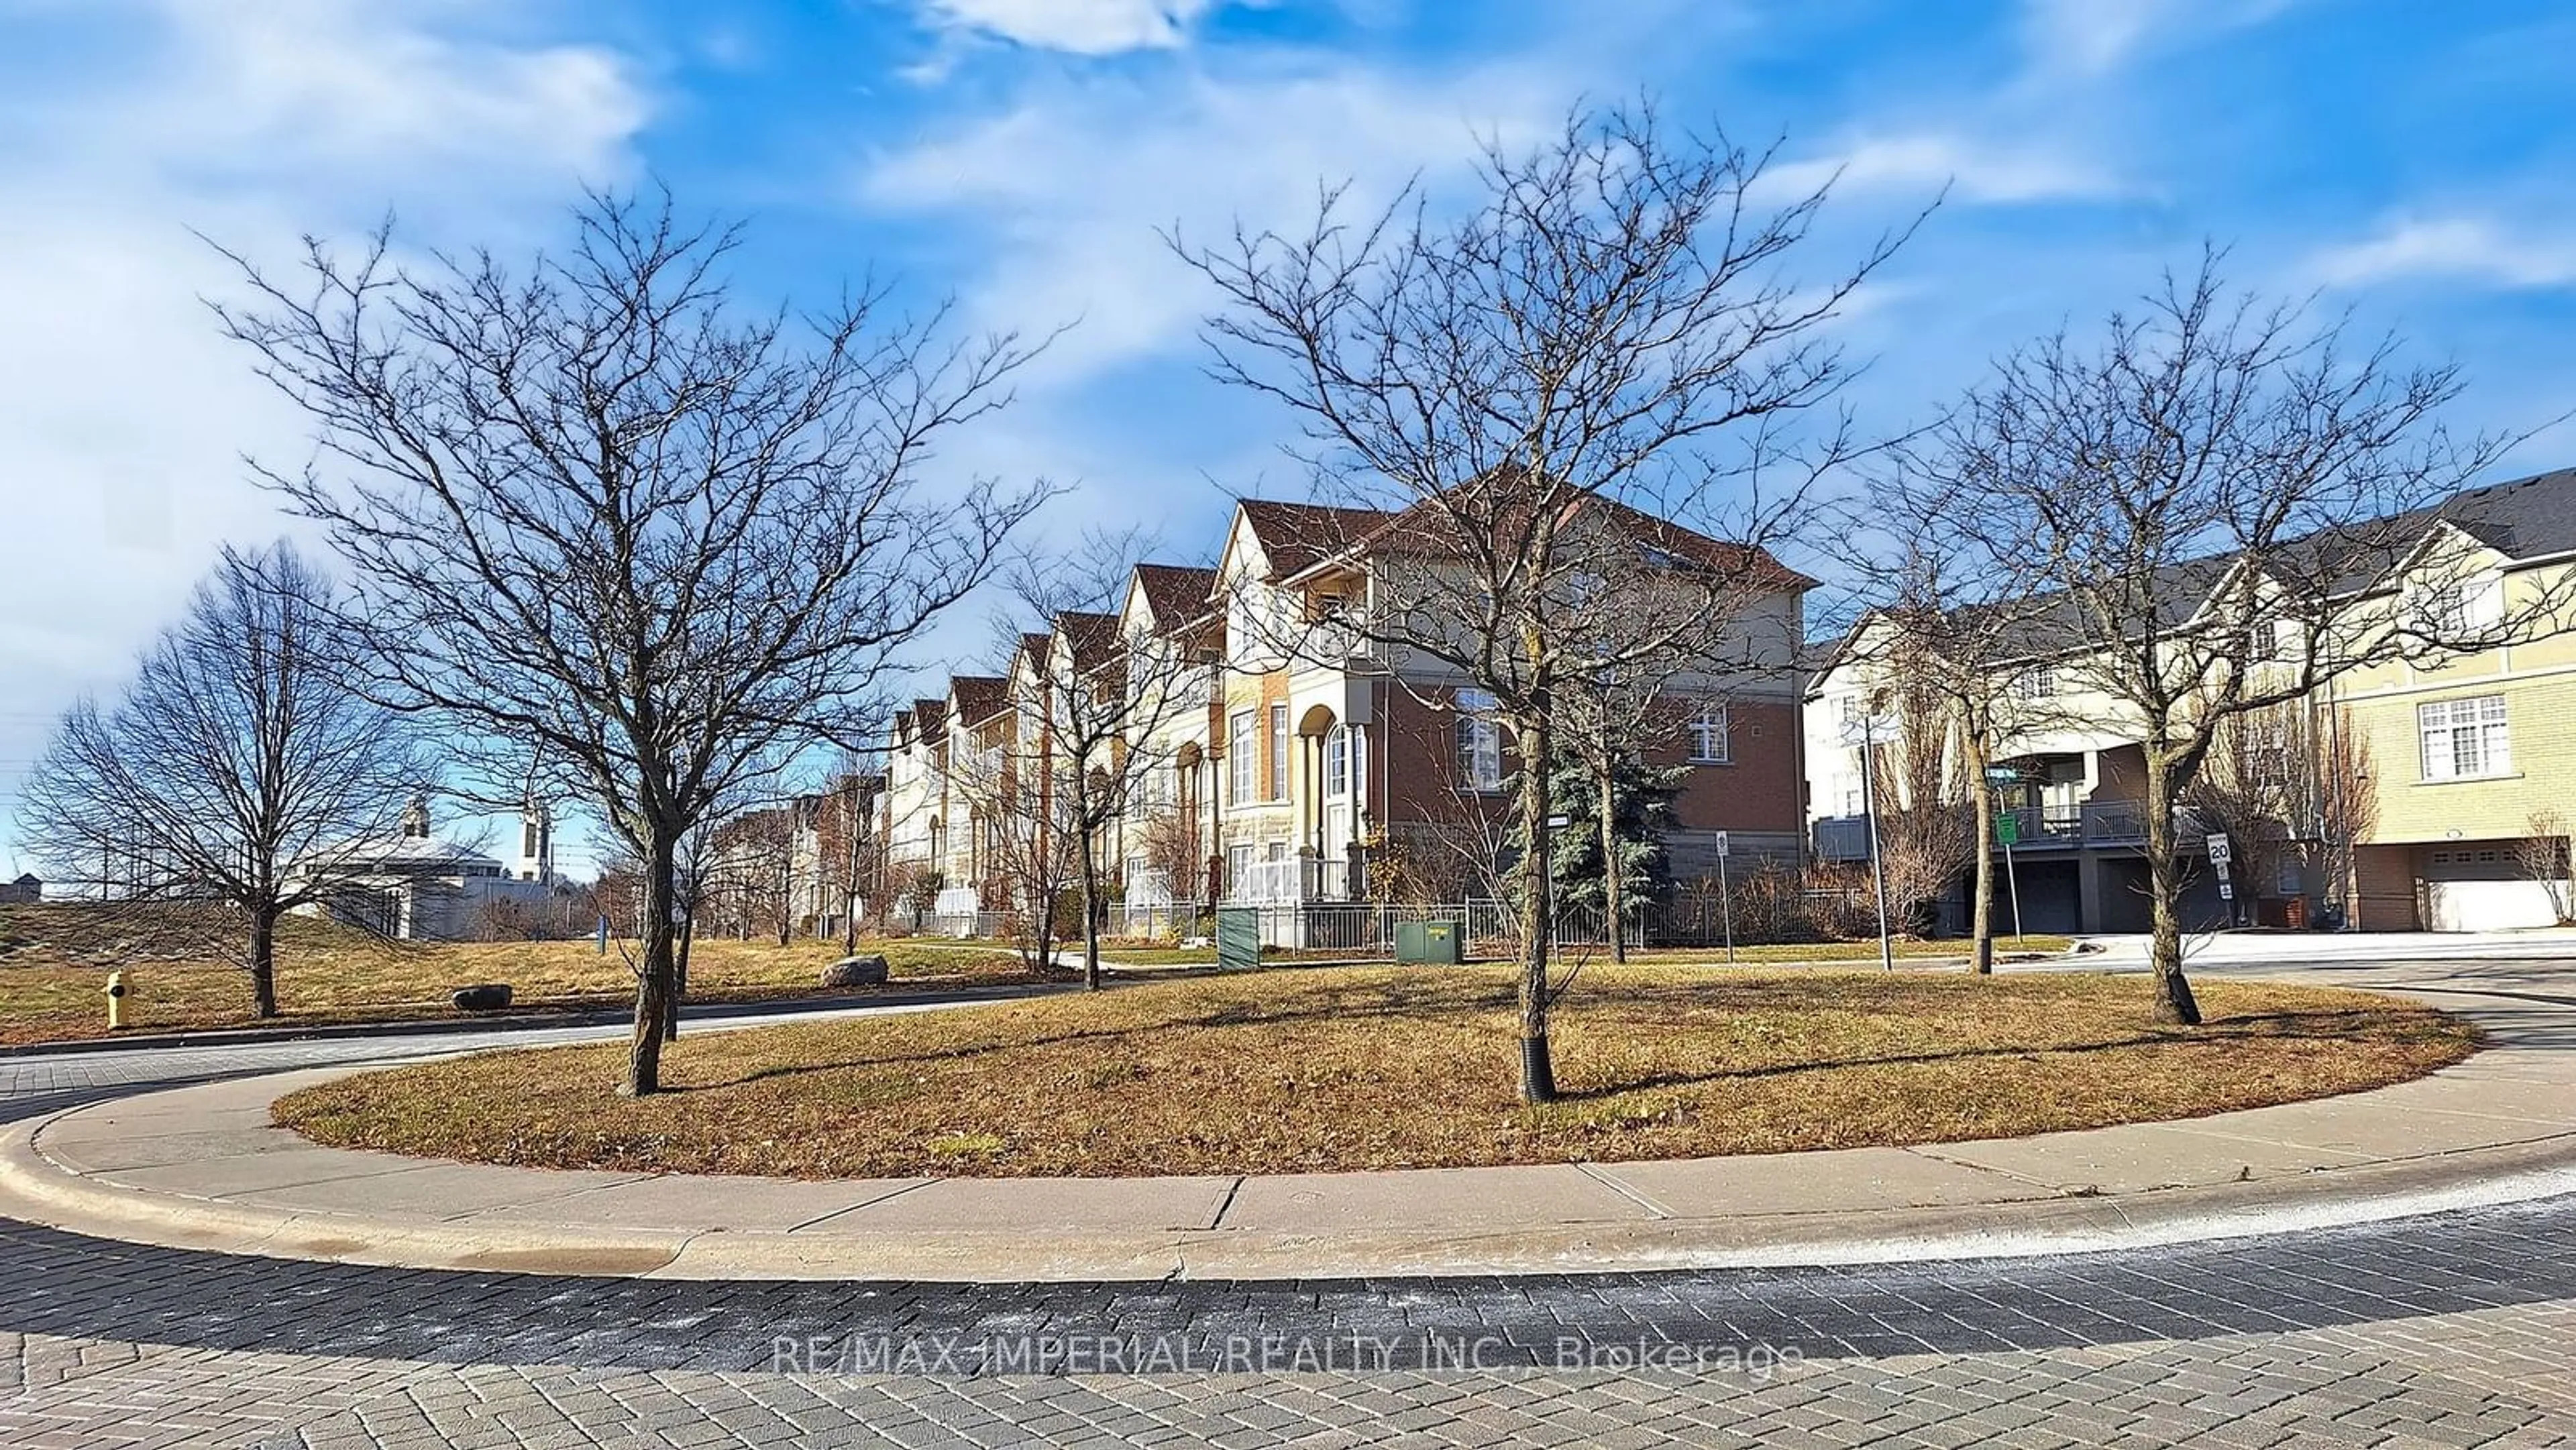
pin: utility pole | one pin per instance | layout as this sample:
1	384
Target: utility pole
1867	729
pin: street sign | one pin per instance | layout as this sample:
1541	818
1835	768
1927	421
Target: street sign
1721	845
2008	827
2003	775
2226	891
2219	850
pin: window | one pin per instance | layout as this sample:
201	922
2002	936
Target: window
2276	638
2464	739
2455	610
1337	762
1709	742
1279	752
1238	757
1480	742
2039	682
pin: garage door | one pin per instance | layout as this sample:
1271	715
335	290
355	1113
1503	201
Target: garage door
2480	887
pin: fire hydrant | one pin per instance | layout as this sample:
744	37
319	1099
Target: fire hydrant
115	1000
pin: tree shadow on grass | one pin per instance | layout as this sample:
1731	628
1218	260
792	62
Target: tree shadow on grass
2258	1027
1650	1008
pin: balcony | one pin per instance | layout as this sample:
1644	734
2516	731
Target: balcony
2109	824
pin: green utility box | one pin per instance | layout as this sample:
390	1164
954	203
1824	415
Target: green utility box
1238	938
1432	942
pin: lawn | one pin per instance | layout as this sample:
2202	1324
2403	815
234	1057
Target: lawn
54	962
1349	1068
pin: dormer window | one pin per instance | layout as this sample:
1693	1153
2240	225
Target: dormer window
2455	611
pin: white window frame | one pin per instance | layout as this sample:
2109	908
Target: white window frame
1478	741
1279	754
1712	735
1337	762
1239	764
2464	739
2038	682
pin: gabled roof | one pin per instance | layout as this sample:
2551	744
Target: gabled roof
1298	536
1314	534
1175	593
1091	636
2522	519
979	697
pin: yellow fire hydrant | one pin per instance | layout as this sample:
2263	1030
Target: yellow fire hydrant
115	1000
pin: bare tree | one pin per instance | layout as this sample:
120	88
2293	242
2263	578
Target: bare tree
750	875
1600	359
2542	856
846	844
1943	631
1927	832
601	518
1102	702
239	766
1026	845
2261	785
2216	508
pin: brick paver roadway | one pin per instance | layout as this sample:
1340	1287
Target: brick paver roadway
2457	1329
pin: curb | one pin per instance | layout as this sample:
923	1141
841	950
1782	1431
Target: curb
36	1187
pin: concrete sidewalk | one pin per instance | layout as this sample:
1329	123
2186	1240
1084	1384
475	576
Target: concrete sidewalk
201	1167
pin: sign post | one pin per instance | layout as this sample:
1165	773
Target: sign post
2222	851
2007	832
1865	732
1725	899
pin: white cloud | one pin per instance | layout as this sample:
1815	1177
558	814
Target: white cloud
2087	37
123	417
1084	27
1973	170
2465	247
1072	186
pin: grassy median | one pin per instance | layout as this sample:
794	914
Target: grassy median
54	962
1391	1068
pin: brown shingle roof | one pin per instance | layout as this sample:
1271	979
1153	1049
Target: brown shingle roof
1421	526
1177	593
979	697
1091	635
1298	536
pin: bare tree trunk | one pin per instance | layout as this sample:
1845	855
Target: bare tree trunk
1613	894
2174	1001
1538	1068
680	975
654	983
1981	908
1090	914
263	963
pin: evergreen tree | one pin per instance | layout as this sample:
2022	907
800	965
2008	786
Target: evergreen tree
1642	798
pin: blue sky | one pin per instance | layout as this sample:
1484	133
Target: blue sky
2409	161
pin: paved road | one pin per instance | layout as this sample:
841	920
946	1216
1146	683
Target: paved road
2452	1330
